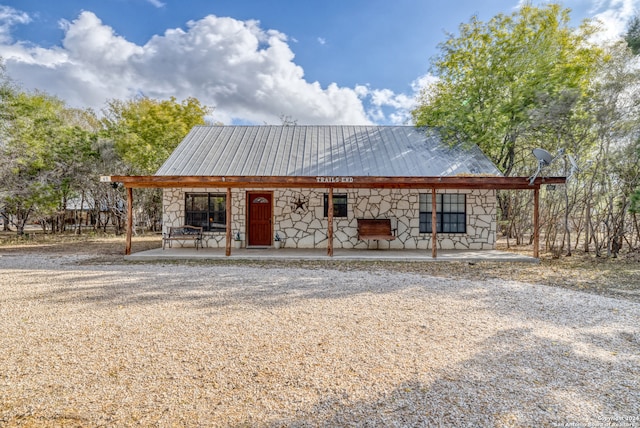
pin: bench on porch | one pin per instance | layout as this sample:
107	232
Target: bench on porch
183	233
375	229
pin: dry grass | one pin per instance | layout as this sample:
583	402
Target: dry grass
613	277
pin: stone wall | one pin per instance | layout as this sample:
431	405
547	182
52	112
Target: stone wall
307	227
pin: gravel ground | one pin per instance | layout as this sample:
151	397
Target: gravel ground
87	344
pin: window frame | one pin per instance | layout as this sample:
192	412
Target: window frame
449	218
215	213
340	209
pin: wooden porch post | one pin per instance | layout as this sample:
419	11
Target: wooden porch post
434	224
227	251
330	224
536	222
127	248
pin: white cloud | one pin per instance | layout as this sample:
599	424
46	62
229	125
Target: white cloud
423	82
156	3
8	18
322	41
245	72
388	107
614	16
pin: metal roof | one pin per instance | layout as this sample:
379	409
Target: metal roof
307	151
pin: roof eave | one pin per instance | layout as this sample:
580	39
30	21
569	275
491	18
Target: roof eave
448	182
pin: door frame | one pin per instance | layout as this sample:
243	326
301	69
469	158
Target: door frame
248	197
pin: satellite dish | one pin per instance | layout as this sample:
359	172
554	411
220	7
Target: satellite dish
544	159
543	156
574	166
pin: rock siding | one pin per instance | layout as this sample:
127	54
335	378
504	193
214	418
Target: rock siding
307	227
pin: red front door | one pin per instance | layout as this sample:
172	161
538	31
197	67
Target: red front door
259	207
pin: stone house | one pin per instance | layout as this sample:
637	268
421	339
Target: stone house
269	182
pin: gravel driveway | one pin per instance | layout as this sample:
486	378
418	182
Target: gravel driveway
178	345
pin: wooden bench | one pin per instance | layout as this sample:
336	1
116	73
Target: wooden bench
183	233
375	229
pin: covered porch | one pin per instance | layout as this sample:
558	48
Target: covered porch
339	255
331	183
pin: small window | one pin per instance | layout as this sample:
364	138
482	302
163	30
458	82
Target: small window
339	205
451	213
207	210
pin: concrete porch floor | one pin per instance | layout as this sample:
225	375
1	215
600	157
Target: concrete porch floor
190	253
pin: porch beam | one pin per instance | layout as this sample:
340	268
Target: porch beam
229	214
536	223
127	248
434	224
330	223
454	182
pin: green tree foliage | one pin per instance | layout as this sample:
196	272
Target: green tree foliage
493	75
632	35
43	155
634	198
529	80
142	133
50	153
145	131
616	156
635	202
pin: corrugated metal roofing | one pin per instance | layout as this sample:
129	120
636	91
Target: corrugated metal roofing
384	151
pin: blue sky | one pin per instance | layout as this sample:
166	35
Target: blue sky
318	62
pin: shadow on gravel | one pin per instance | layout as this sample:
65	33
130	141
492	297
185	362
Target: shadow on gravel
214	286
516	379
577	355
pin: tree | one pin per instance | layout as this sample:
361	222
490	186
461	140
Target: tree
143	133
72	159
632	36
24	168
44	156
7	92
512	84
44	152
287	120
493	75
616	170
146	131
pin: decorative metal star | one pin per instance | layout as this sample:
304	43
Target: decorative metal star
299	204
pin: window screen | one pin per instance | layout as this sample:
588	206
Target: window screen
339	205
207	210
451	213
